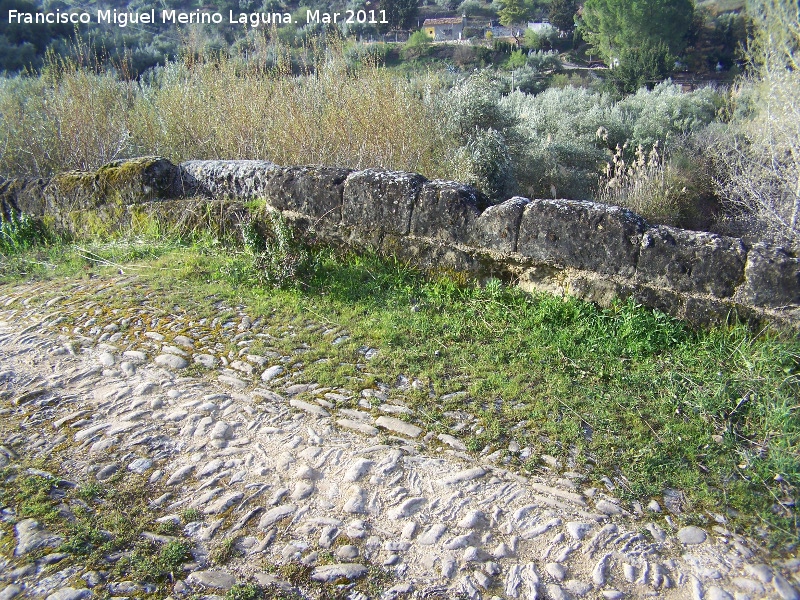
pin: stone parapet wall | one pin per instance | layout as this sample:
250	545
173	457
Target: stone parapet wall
584	249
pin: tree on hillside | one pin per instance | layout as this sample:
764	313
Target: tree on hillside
642	66
401	14
513	12
615	26
562	14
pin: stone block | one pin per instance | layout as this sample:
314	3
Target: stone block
244	179
583	235
771	277
497	228
445	211
380	201
691	261
314	190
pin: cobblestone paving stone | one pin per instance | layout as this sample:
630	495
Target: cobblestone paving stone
287	473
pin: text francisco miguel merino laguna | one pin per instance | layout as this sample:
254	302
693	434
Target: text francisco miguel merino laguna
123	19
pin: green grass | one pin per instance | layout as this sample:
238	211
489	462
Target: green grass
104	520
624	392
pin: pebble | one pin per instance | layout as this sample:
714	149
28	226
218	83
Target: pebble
330	573
135	356
398	426
213	578
69	593
171	361
205	360
31	536
140	465
271	373
692	535
357	426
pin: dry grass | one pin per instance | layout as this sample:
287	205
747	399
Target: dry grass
76	116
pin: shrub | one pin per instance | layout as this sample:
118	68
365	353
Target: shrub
759	154
485	163
417	44
20	233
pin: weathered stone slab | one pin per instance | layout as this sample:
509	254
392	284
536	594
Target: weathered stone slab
691	261
241	178
771	277
583	235
119	182
380	200
314	190
497	228
445	211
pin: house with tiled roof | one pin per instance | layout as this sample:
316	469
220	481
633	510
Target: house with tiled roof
445	29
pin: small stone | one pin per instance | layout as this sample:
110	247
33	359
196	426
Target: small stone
717	593
135	356
184	341
233	382
556	571
153	335
578	588
432	534
555	592
578	530
760	571
221	431
106	359
205	360
330	573
140	465
357	426
454	443
309	408
599	571
274	515
213	578
179	475
692	535
409	529
407	508
223	504
69	593
398	426
784	588
612	594
463	476
654	506
124	587
92	578
106	472
608	508
347	552
473	519
271	373
171	361
9	592
127	368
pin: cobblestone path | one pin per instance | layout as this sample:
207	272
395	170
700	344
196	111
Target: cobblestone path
287	473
